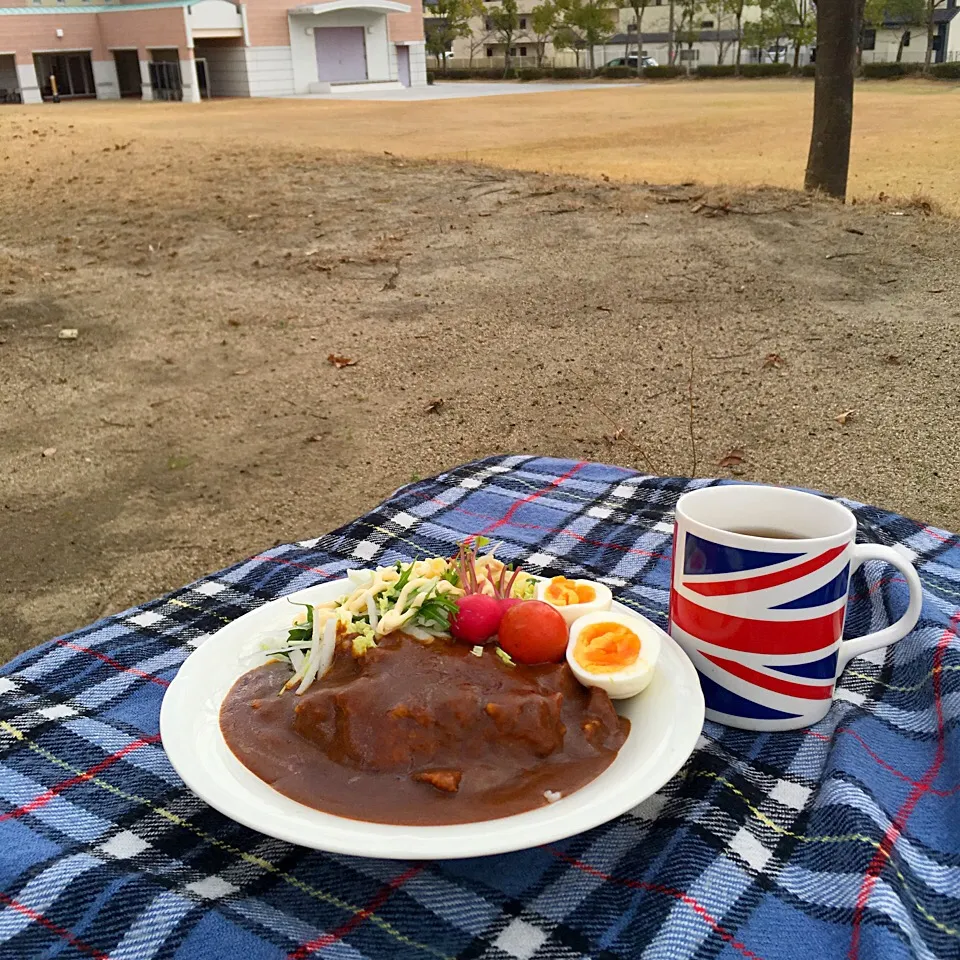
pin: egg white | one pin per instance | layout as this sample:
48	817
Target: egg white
573	611
630	680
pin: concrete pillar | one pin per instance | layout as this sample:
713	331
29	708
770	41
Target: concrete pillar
105	79
418	63
188	78
27	79
146	87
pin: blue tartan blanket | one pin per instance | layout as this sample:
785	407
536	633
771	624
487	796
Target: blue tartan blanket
838	841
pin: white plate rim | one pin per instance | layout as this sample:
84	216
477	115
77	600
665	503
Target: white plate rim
200	756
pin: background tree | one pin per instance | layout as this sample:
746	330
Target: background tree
736	9
722	45
688	28
543	20
779	18
591	21
803	29
671	31
566	38
639	8
505	21
931	31
478	40
828	162
900	15
450	19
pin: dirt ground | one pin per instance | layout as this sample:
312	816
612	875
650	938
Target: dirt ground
195	420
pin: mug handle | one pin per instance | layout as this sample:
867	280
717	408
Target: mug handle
896	631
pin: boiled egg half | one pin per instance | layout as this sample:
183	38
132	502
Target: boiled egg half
614	652
574	598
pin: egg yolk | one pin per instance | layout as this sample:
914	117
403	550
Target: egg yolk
606	647
562	592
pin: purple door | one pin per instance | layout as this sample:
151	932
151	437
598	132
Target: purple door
403	65
341	54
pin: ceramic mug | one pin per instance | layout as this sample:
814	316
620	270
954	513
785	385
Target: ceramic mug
761	578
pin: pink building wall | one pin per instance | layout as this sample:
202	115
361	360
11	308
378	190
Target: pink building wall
28	35
145	30
407	26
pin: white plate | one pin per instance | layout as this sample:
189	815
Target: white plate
666	720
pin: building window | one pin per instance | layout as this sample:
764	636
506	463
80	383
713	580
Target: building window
523	23
513	51
689	54
488	24
906	38
869	39
489	51
523	51
706	24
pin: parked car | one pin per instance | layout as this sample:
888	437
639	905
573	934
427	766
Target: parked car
632	62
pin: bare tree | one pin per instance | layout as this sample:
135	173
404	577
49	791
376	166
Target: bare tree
899	15
828	162
639	8
736	9
671	29
505	20
931	30
544	18
450	19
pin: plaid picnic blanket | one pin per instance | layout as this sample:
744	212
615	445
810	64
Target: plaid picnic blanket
838	841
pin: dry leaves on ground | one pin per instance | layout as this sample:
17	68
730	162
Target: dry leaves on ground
733	459
340	361
773	360
842	418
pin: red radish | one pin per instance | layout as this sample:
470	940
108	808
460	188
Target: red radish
507	602
477	618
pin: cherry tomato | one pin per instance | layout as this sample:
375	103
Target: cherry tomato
533	632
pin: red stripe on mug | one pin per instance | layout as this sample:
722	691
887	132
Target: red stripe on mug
767	637
774	684
721	588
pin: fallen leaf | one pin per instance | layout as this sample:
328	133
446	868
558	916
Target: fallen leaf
434	405
842	418
178	462
233	322
892	358
773	360
340	361
68	333
49	452
316	438
733	459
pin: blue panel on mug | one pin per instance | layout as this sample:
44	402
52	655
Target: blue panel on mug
705	556
828	593
724	701
824	669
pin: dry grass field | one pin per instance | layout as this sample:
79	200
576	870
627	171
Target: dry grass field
906	134
212	257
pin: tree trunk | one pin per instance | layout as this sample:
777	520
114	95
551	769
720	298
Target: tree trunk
928	56
670	48
796	55
640	42
736	65
828	162
861	23
593	59
900	48
506	55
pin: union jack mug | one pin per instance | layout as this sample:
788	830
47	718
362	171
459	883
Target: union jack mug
759	595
